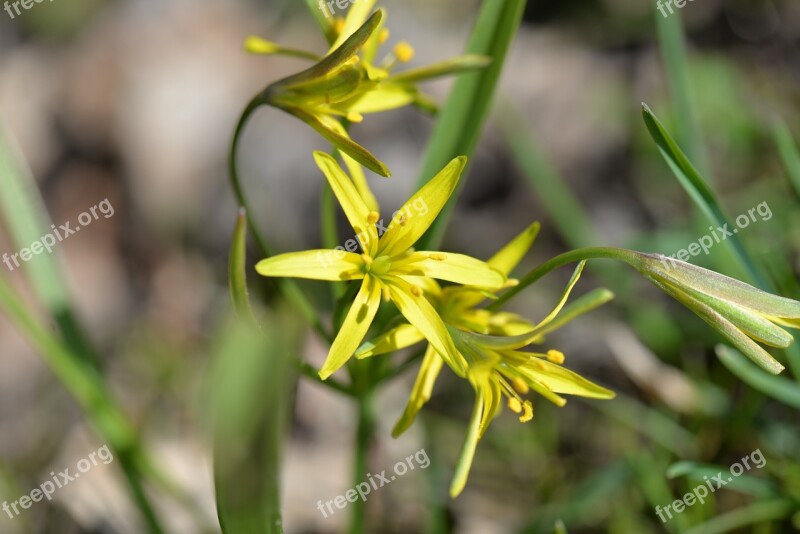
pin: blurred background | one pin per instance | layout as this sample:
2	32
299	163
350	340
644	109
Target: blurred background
135	101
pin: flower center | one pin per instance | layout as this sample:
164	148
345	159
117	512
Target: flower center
378	266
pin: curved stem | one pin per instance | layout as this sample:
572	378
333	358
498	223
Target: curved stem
572	256
287	287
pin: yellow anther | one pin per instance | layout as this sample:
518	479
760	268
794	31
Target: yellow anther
373	217
404	52
387	296
257	45
437	256
555	356
383	36
367	259
520	386
514	405
354	60
402	220
528	415
416	291
354	116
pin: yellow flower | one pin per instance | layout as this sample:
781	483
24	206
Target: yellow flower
387	265
497	368
347	83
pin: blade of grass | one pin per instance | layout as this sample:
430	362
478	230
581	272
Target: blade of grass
88	388
673	51
460	122
251	393
749	515
788	151
706	200
779	388
27	220
757	487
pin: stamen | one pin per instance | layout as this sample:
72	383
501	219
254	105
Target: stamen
528	415
416	291
404	52
514	405
520	385
387	296
437	256
383	36
354	116
338	25
555	356
367	259
373	217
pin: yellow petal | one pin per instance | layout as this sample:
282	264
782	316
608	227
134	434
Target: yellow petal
559	379
456	268
397	338
510	255
357	173
355	326
564	296
415	217
357	212
468	448
323	264
421	393
383	97
326	126
356	17
419	312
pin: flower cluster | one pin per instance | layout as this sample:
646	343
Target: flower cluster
440	297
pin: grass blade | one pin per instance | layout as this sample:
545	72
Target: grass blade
779	388
749	515
788	151
673	51
461	120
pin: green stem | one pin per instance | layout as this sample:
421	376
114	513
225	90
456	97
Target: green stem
572	256
290	290
87	387
364	437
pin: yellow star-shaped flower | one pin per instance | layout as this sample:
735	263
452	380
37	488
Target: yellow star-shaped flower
387	265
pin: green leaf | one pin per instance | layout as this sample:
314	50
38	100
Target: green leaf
759	512
27	220
237	263
757	487
673	51
460	122
788	151
251	393
779	388
698	190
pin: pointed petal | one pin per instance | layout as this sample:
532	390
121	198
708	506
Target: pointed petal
468	449
419	312
355	326
558	379
456	65
383	97
397	338
409	224
327	127
456	268
356	15
323	264
421	394
348	196
356	173
510	255
338	57
565	295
